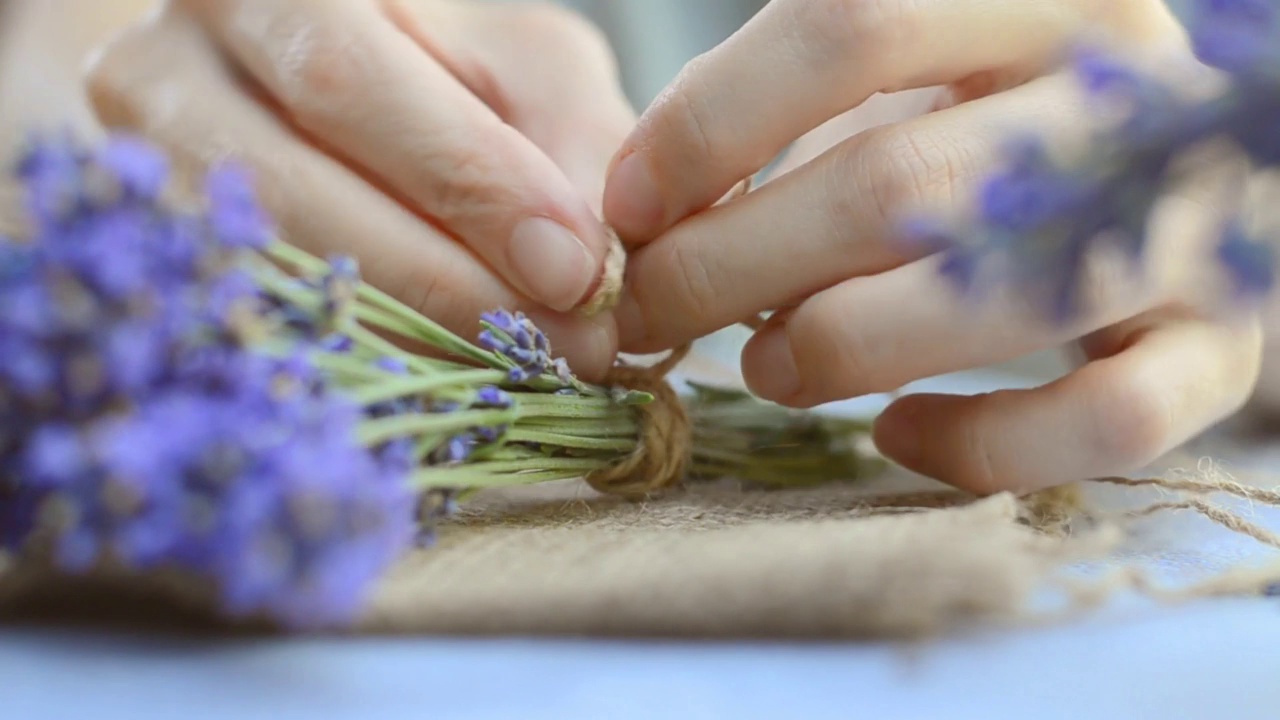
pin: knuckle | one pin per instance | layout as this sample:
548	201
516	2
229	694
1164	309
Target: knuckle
908	170
693	289
1133	422
1105	285
686	119
461	179
115	78
320	73
317	68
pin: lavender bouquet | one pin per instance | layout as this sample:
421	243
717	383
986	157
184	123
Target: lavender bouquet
181	391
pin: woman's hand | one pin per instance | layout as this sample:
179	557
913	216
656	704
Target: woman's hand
860	314
457	149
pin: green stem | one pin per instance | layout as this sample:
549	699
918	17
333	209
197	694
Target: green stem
374	432
566	440
379	345
621	428
422	385
425	328
500	473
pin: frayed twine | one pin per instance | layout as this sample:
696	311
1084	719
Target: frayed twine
1059	512
1084	596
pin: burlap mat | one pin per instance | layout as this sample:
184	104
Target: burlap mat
716	562
898	556
709	561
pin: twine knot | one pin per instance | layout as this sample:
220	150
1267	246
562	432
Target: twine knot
666	434
665	444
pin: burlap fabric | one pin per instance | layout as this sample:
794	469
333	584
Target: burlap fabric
716	562
711	561
898	556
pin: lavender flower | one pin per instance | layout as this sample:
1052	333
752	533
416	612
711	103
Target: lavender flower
1241	37
266	492
516	338
234	213
1039	218
138	428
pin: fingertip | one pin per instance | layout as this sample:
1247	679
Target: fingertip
929	434
769	366
896	432
589	344
633	203
552	263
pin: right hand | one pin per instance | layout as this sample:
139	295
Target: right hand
458	150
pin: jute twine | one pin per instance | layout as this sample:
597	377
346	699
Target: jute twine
665	435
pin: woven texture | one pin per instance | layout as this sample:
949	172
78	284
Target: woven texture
707	562
717	563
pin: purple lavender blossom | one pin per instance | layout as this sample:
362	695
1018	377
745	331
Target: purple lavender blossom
139	429
267	493
515	337
1250	263
234	212
1039	218
1241	37
139	168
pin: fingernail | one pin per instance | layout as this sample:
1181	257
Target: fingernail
630	321
770	367
553	266
632	203
897	433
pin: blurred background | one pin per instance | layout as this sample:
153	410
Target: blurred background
655	38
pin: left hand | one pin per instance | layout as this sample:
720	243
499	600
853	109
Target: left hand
860	315
456	149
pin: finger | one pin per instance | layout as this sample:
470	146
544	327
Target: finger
878	110
570	103
1176	377
878	332
168	83
829	220
348	77
806	61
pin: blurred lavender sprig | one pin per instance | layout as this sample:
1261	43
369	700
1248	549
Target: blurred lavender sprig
1039	218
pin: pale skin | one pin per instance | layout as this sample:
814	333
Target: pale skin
423	136
457	149
860	314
